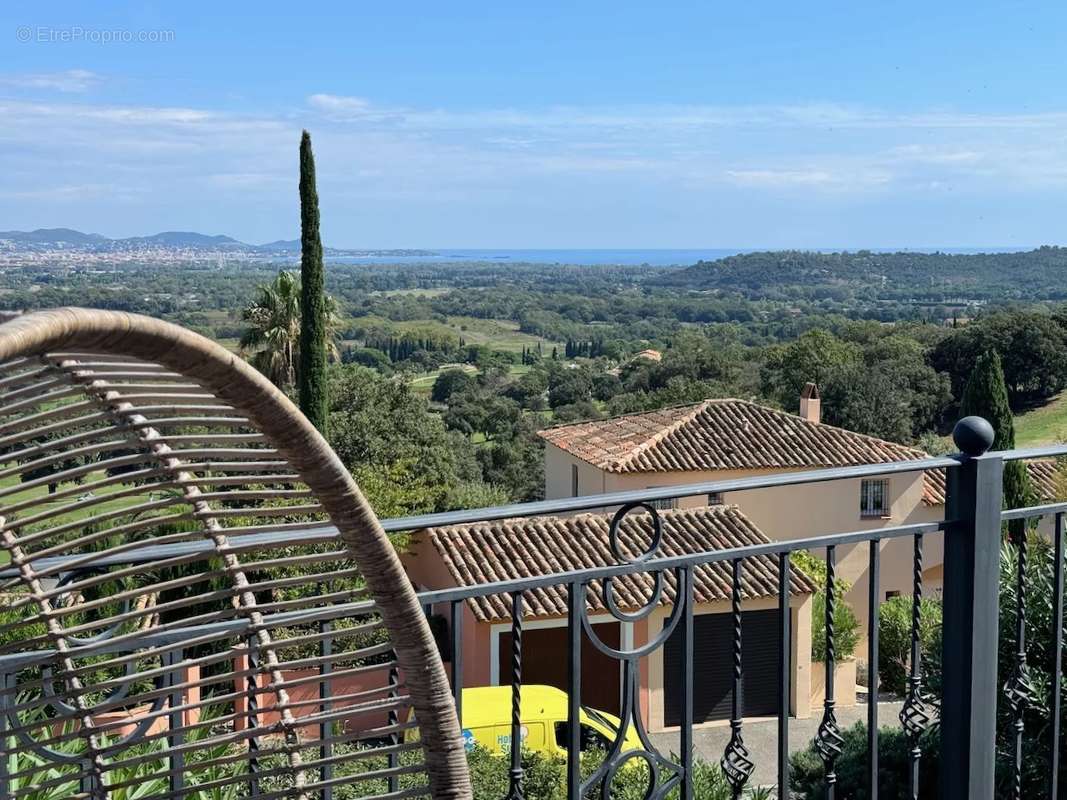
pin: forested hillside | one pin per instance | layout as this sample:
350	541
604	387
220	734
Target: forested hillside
444	373
934	277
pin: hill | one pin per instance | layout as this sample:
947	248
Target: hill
43	240
53	236
936	277
183	239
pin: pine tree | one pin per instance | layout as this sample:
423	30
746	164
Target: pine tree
313	389
986	395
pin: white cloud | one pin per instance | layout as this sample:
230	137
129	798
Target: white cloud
245	180
780	177
70	193
72	80
333	103
843	176
452	160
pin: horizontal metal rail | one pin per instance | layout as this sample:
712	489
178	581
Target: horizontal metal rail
1033	511
589	502
973	524
538	508
240	627
1027	453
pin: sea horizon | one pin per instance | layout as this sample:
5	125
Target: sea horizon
655	257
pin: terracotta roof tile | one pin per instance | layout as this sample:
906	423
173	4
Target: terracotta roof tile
719	435
514	548
1042	480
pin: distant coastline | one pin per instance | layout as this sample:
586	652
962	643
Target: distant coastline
64	245
619	257
622	257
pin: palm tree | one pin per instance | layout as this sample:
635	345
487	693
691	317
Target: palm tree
273	335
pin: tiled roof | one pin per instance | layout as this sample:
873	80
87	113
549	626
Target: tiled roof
514	548
1042	480
719	435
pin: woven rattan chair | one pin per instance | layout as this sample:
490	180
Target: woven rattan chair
178	615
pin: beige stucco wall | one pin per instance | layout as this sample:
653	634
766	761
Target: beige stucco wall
793	512
591	479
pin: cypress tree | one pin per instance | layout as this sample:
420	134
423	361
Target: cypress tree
986	395
313	389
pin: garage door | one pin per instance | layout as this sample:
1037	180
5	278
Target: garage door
545	660
713	667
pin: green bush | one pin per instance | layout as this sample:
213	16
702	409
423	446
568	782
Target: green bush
1040	650
846	625
142	765
807	770
894	628
545	778
894	640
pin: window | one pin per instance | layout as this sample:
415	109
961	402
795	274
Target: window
874	498
892	593
715	499
663	505
589	738
574	480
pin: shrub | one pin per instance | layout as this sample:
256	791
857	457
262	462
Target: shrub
894	639
894	628
846	625
806	767
1040	649
545	778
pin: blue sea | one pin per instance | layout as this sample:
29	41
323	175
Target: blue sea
653	258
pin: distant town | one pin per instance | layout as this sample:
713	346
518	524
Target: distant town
67	247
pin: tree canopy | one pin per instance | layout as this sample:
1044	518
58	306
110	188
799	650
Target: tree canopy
986	396
314	314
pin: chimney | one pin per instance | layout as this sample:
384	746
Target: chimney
810	405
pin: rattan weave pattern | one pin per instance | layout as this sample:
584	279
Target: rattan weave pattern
120	432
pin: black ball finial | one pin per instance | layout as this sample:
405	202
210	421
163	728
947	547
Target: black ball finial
973	435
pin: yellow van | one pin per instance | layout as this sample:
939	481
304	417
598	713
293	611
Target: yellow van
543	713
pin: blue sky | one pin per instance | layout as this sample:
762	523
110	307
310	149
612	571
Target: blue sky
616	124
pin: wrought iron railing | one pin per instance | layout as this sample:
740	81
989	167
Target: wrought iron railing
966	712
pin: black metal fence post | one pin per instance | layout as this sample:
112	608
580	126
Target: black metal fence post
515	773
175	736
7	743
457	657
1057	658
325	693
685	729
971	608
575	607
252	695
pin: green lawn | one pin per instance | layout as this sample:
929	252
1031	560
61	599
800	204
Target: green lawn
411	292
423	383
498	334
1045	425
39	492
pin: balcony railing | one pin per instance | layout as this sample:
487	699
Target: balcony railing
966	712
